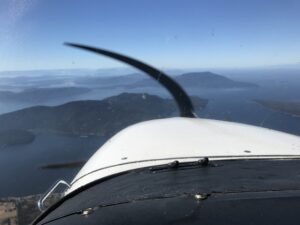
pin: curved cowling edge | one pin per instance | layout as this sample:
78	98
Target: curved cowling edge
161	141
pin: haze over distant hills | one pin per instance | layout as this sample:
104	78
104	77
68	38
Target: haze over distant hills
187	80
94	78
83	118
199	80
108	81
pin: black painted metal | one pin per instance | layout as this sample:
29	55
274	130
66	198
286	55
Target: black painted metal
223	192
280	209
182	99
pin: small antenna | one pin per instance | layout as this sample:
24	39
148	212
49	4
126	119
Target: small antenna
182	99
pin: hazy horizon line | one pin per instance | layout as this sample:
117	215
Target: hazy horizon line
281	66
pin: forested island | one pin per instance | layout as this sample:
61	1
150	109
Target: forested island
288	107
86	118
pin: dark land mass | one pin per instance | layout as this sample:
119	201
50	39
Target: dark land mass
199	80
91	117
65	165
41	94
287	107
12	137
23	210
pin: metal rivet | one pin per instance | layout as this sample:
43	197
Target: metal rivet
200	197
173	164
204	161
87	212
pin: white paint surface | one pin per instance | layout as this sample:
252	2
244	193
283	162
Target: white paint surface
158	142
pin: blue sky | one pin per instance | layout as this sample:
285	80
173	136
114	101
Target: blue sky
164	33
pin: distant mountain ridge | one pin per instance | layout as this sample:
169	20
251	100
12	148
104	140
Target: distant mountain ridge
199	80
91	117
